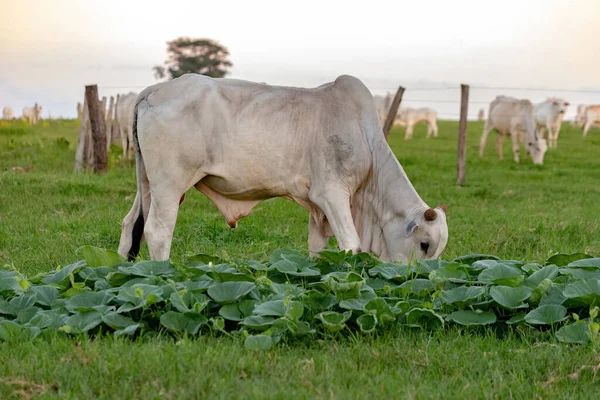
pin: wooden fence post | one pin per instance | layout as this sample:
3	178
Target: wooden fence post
389	121
79	111
109	122
462	134
98	128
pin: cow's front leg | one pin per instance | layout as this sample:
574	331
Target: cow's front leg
335	204
515	145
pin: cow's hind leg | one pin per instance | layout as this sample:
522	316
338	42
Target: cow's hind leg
586	127
317	238
499	141
335	203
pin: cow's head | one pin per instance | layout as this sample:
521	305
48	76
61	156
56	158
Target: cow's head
559	106
422	234
537	148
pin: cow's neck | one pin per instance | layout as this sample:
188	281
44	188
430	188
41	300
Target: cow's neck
387	194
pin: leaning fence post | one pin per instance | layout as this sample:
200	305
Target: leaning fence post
109	122
389	121
98	128
462	134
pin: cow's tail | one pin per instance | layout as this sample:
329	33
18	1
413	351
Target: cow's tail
143	191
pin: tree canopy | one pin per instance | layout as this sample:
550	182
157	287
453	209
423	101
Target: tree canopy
194	55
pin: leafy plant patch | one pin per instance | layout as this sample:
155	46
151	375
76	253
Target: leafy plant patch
292	296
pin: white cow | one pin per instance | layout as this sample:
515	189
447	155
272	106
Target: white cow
410	116
32	114
514	117
382	104
241	142
591	117
549	115
7	113
124	117
579	118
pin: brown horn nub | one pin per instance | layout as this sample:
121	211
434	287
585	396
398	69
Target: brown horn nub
444	208
430	214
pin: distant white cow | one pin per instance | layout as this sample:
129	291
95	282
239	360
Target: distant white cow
549	115
124	117
591	117
7	113
514	117
382	104
410	116
32	114
481	115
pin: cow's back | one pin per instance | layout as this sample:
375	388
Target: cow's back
251	138
507	113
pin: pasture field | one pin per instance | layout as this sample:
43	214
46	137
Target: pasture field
522	212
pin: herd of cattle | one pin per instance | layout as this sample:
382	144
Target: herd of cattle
536	127
30	114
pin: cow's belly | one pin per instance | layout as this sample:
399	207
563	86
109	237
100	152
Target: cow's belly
245	186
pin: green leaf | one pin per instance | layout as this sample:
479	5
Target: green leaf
291	268
117	321
83	321
540	291
201	259
548	272
13	332
390	271
149	269
562	260
553	295
96	257
578	332
88	301
380	309
277	254
229	291
367	323
462	295
61	277
418	287
359	303
471	258
183	323
274	308
585	263
502	274
424	318
581	273
546	315
258	322
452	272
258	342
583	293
334	321
128	330
516	319
231	312
469	318
336	257
510	297
45	295
317	301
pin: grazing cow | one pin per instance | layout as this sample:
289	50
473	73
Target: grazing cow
514	117
7	113
591	117
412	116
549	115
382	104
124	117
32	114
481	115
241	142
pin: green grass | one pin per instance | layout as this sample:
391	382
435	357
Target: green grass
514	211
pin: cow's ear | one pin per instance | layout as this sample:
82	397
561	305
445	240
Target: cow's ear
410	228
444	208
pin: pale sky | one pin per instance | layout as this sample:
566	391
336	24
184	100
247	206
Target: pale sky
49	49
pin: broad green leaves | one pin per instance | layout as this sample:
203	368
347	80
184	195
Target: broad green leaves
291	296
